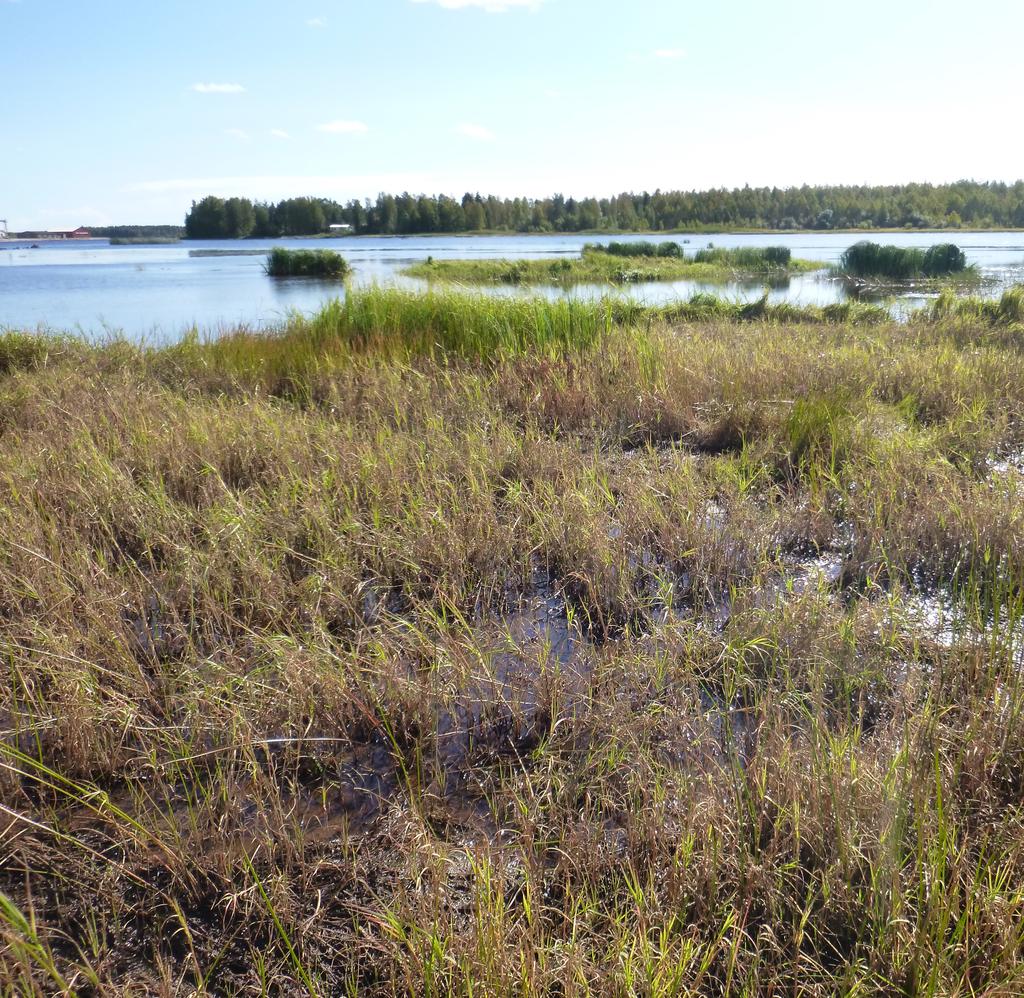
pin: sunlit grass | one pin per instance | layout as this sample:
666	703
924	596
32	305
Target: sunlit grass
283	262
445	644
618	263
900	263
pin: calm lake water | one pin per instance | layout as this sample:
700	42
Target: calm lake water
158	292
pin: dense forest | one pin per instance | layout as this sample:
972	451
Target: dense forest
965	204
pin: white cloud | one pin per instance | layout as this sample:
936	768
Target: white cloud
279	133
218	88
238	133
317	22
477	132
491	6
342	127
670	53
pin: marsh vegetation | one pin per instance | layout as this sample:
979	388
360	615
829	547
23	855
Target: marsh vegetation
620	263
283	262
446	644
871	261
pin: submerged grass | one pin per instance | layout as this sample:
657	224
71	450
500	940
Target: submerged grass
446	645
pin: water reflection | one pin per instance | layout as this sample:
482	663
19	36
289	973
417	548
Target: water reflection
160	291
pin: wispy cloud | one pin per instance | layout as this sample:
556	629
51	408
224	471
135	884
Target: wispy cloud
491	6
477	132
670	53
316	22
238	133
279	133
218	88
342	127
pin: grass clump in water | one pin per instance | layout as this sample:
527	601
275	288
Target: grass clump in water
870	260
283	262
619	263
748	257
643	248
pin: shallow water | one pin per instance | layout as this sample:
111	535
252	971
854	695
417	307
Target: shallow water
159	292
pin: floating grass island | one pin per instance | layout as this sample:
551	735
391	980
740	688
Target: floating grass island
621	263
283	262
868	264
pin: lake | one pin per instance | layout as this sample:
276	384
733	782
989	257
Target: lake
158	292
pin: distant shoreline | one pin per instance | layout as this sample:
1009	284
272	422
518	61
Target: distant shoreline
667	233
664	233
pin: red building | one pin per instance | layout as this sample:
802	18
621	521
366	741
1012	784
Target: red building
80	233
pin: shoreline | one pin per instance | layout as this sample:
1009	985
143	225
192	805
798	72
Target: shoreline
623	232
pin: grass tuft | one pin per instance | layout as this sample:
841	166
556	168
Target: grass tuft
747	257
870	260
283	262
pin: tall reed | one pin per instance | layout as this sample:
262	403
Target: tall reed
283	262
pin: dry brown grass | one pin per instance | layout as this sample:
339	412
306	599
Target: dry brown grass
609	667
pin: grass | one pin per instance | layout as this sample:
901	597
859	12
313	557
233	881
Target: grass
1006	311
443	644
616	263
752	257
872	261
144	240
635	248
300	358
283	262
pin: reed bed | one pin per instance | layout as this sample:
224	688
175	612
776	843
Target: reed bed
619	263
635	248
513	647
749	257
283	262
898	263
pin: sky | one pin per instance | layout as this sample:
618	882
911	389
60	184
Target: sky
124	111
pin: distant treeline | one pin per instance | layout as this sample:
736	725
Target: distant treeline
964	204
137	231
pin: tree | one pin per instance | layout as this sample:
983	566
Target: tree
206	219
262	224
301	217
239	218
473	213
918	205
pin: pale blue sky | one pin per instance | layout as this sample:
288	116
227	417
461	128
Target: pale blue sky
118	112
